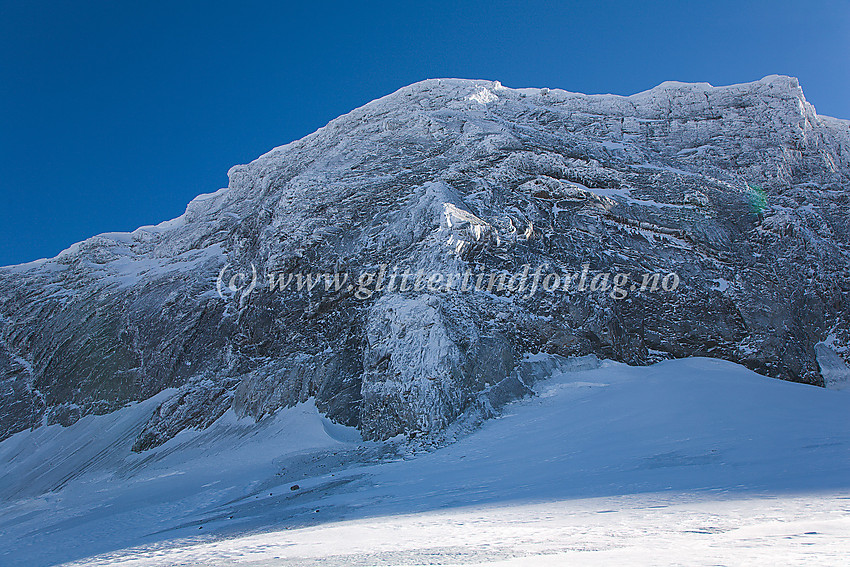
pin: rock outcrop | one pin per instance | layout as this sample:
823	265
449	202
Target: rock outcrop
742	192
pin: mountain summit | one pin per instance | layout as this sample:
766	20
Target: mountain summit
735	198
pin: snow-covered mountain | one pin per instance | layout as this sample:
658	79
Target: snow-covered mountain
741	191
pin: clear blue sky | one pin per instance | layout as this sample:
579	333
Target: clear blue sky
115	114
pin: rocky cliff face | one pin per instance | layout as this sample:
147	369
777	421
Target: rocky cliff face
743	192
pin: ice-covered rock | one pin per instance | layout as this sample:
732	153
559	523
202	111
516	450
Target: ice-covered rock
833	368
742	191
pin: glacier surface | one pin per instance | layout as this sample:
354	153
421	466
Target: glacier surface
687	460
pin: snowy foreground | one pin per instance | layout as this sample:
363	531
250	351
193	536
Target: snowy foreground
692	461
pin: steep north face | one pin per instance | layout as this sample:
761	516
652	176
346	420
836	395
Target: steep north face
742	192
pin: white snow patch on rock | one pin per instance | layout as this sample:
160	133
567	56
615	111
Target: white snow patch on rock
483	95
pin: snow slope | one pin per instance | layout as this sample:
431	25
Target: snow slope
613	462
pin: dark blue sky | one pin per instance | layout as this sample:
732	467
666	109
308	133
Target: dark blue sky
114	115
